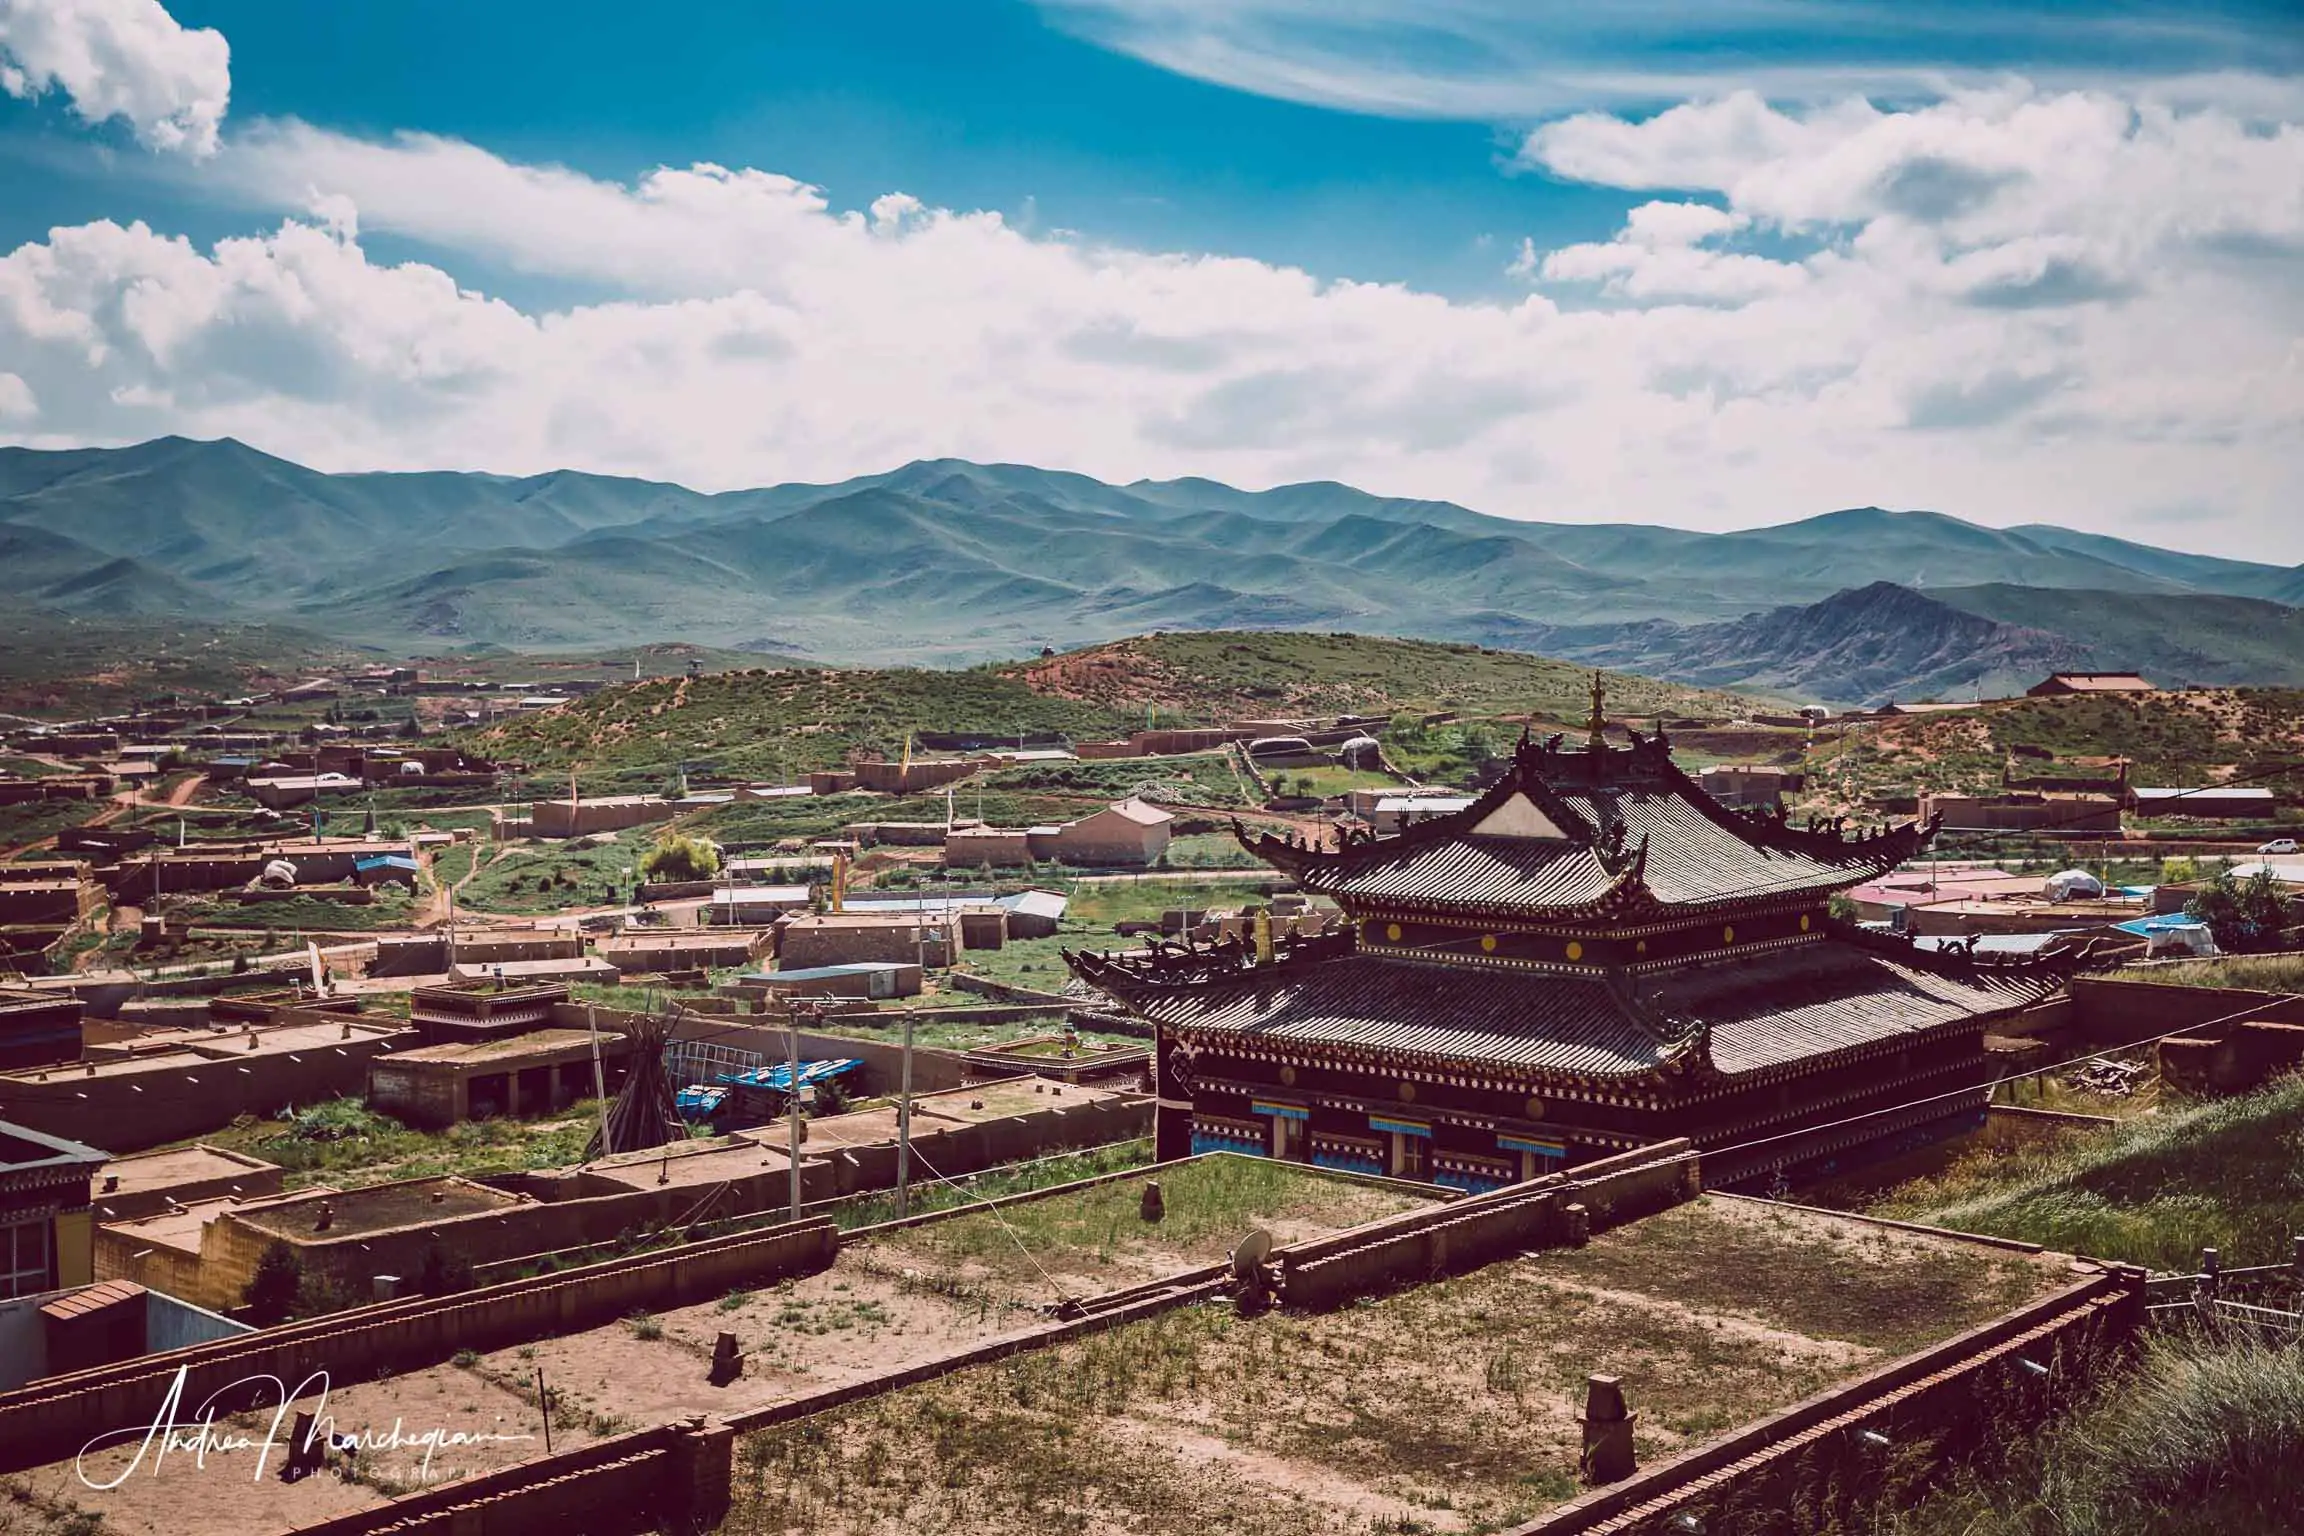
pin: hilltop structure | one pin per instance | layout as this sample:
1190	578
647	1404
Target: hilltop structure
1591	956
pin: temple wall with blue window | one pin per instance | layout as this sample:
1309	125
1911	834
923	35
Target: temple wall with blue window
1348	1154
1473	1175
1212	1135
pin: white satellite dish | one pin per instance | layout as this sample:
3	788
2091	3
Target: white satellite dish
1249	1258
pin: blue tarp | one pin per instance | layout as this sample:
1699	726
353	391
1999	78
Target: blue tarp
385	861
779	1077
696	1101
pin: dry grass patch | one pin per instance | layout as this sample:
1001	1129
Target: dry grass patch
1095	1239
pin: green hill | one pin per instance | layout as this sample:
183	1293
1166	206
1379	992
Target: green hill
944	562
775	723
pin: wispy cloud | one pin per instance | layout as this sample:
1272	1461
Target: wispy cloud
1506	60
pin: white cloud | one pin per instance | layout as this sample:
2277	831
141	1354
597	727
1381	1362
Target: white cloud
1662	255
2093	331
120	58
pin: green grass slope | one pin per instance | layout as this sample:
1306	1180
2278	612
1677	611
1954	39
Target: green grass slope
2155	1190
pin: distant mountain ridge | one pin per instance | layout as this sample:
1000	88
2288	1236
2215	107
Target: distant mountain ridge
945	560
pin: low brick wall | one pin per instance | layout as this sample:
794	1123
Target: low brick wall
1811	1467
55	1417
2108	1012
1007	991
1417	1245
1159	1300
669	1478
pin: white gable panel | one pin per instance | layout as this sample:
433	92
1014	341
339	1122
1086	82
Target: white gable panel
1518	817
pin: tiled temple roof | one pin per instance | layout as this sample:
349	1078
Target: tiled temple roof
1720	1017
1595	833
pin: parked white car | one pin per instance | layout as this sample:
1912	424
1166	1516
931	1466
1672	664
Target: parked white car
2279	845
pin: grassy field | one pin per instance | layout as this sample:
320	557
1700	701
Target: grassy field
542	877
2248	973
1102	903
305	914
1235	674
1201	778
21	825
778	723
1095	1239
2174	739
53	664
344	1143
26	767
2228	1175
1328	782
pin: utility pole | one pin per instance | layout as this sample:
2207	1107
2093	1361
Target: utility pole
904	1127
599	1078
792	1032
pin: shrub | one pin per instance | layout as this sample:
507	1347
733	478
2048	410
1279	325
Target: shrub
442	1272
679	857
273	1288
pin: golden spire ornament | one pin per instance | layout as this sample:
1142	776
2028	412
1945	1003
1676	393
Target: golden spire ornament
1599	720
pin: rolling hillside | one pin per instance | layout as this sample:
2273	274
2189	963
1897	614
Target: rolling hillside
943	562
776	723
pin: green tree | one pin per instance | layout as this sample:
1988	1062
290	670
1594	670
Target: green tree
2245	915
680	857
273	1289
2179	870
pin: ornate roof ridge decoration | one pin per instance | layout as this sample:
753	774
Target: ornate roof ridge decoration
1966	961
1821	838
1169	963
1542	768
1523	777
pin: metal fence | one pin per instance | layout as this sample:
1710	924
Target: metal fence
2263	1297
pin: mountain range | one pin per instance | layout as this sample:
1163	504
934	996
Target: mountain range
943	561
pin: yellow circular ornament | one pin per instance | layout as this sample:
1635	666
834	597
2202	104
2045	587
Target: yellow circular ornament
1407	1093
1575	950
1288	1077
1803	922
1392	932
1534	1109
1487	943
1728	935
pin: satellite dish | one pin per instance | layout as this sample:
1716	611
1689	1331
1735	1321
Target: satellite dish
1248	1259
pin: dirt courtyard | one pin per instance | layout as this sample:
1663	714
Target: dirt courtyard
1446	1407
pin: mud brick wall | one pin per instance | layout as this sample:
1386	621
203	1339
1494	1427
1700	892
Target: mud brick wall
669	1478
53	1418
128	1112
1812	1466
2115	1012
1329	1271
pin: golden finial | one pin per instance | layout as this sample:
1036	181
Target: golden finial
1599	720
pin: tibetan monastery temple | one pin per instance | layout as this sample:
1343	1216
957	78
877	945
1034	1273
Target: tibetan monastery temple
1593	955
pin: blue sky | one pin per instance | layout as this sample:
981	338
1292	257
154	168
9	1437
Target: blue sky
1699	263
